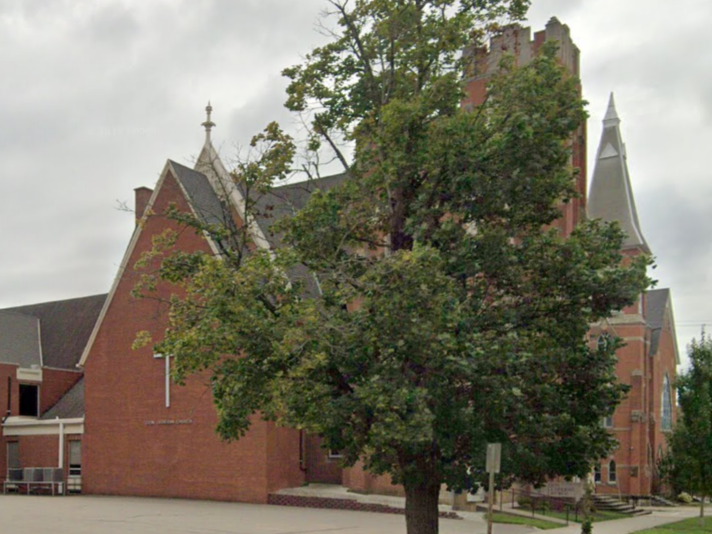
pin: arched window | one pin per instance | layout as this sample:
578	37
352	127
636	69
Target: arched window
597	473
666	407
612	475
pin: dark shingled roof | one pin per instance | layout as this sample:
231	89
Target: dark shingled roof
285	201
19	339
655	305
71	405
611	195
205	202
65	327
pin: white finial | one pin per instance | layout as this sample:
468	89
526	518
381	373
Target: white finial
208	124
611	118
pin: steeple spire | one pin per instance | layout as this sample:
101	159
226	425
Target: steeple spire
208	124
611	118
611	195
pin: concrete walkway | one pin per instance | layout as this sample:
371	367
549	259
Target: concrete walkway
659	516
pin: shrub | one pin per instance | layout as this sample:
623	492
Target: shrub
524	502
685	497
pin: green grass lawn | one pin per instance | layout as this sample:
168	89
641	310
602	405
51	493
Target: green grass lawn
598	516
517	520
688	526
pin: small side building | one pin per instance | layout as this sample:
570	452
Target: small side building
41	388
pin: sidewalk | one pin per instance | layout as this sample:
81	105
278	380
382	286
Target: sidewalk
633	524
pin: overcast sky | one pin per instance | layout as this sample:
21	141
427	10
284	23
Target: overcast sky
96	95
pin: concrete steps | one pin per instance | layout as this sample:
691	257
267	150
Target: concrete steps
611	504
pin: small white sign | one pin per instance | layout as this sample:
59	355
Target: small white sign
494	457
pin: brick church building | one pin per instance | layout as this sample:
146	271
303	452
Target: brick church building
75	396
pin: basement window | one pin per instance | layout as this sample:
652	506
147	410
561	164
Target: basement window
29	400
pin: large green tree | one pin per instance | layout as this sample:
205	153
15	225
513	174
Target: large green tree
688	463
451	312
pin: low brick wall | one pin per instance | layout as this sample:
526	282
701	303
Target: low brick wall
341	504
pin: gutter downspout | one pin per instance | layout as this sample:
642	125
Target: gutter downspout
60	462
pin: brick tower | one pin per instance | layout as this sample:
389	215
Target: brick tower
482	63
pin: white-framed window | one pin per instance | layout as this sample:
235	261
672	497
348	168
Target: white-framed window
30	400
167	375
75	458
14	469
612	473
597	473
608	421
335	455
666	405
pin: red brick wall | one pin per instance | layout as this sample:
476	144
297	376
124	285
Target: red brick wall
628	427
663	363
359	480
127	450
321	468
8	371
636	422
283	458
55	383
38	451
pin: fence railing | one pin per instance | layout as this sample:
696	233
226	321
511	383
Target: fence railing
29	478
567	509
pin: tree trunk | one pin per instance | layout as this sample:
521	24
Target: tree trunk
702	510
421	508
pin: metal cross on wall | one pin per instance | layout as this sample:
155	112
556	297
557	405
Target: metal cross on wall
167	377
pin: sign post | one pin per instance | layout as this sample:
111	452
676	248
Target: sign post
494	461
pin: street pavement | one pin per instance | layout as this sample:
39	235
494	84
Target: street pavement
23	514
120	515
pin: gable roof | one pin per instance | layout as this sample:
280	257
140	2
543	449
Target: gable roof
210	165
20	339
200	194
209	190
286	201
59	330
204	205
70	406
657	303
611	195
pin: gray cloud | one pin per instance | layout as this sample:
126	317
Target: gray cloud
95	95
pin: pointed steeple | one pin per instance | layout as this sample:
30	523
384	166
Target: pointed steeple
210	164
208	124
611	195
611	118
